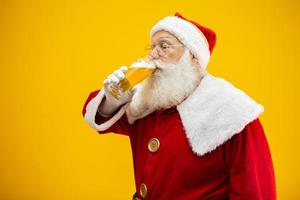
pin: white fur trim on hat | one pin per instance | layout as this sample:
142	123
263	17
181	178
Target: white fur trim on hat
188	34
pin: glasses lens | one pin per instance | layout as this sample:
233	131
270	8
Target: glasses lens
148	47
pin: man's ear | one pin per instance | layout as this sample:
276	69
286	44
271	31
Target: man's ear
194	59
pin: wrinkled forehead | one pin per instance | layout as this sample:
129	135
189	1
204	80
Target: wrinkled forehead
164	35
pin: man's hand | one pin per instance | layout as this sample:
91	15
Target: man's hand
111	103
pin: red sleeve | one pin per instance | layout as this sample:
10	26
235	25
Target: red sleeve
250	167
121	126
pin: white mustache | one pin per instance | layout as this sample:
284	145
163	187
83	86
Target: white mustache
163	65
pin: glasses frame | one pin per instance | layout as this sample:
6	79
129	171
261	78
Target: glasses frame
160	47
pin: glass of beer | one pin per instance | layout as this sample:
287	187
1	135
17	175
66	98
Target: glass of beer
137	72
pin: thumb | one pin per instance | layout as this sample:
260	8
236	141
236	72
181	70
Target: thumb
135	88
132	91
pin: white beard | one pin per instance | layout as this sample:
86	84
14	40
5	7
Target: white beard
170	85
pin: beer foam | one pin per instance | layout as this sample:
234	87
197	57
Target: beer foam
141	63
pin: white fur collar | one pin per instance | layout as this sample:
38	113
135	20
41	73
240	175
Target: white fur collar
211	115
215	112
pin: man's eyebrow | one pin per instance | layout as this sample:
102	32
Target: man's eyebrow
166	38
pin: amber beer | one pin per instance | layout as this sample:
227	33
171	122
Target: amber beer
136	73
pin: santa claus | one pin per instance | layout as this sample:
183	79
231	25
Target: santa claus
193	135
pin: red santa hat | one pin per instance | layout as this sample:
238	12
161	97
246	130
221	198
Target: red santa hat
198	39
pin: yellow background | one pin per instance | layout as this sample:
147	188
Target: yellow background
54	53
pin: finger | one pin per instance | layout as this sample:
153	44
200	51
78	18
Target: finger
124	69
107	81
113	78
119	74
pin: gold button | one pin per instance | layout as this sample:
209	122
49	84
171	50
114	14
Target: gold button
143	190
153	144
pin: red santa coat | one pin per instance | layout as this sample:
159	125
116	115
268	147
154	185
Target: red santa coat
211	146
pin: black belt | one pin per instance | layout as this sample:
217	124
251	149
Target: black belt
135	197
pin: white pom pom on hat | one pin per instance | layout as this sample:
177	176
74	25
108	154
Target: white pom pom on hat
198	39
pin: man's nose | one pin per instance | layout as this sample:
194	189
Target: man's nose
154	54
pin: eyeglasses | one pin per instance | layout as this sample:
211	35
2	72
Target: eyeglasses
163	47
